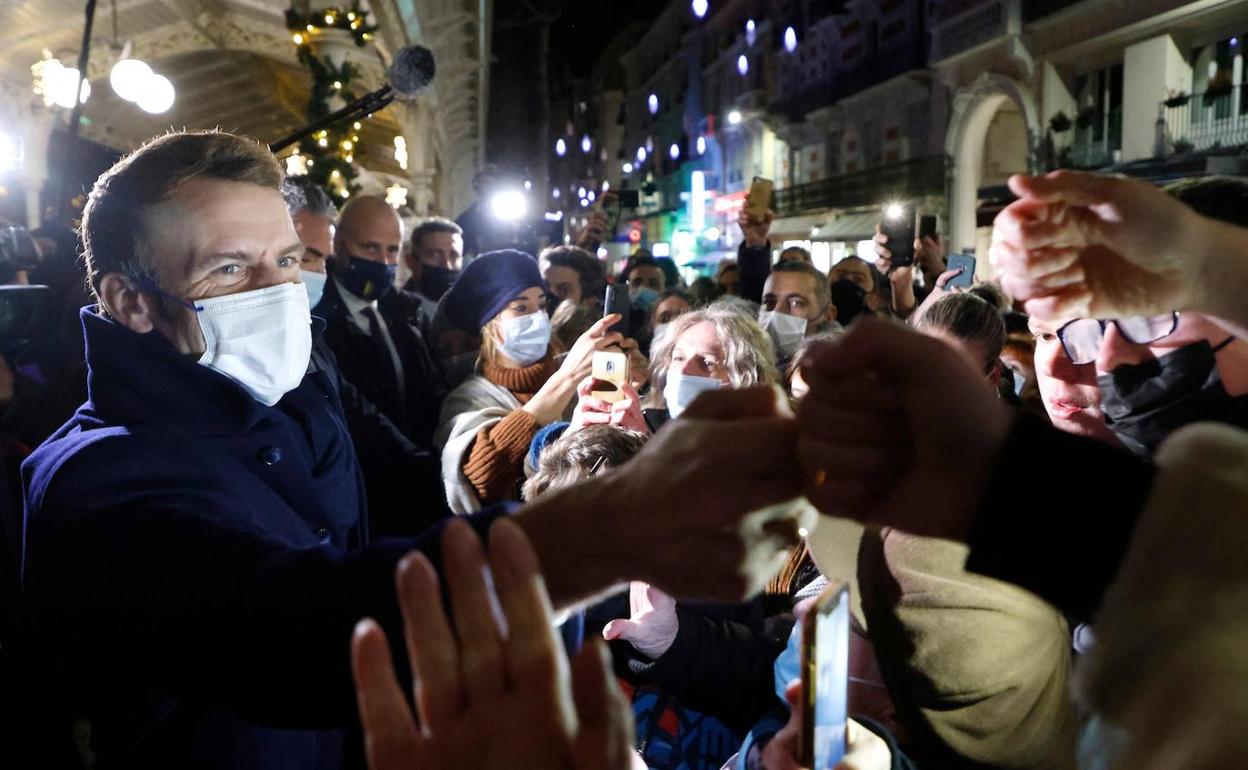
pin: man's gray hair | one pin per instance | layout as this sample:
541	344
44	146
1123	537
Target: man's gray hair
749	357
302	194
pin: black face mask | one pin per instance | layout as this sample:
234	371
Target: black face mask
1144	403
850	300
434	281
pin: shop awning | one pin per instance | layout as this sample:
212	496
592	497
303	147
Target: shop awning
828	226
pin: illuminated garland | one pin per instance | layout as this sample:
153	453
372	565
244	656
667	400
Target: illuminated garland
353	20
328	156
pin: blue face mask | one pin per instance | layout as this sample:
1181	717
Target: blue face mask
682	389
315	284
643	297
367	279
525	339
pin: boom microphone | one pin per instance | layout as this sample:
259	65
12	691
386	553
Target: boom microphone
410	73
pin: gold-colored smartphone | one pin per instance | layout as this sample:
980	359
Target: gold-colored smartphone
610	372
758	200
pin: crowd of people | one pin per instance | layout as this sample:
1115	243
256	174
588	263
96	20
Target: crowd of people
276	467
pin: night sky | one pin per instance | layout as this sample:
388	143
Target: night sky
579	29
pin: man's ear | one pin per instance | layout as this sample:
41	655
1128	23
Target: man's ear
830	313
125	303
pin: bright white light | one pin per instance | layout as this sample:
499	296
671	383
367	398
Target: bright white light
396	196
580	192
743	65
711	233
627	167
528	185
750	30
129	78
605	185
561	147
586	144
734	118
554	216
603	253
400	150
296	164
159	95
590	196
653	103
674	151
649	144
661	249
10	152
894	211
641	154
584	203
554	193
701	145
509	205
790	39
699	7
62	81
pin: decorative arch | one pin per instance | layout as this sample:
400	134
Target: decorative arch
973	110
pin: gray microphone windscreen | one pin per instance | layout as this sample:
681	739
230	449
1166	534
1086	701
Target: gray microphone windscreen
412	70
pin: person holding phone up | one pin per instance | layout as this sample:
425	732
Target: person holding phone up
489	421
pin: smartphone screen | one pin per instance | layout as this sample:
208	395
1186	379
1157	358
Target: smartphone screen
826	678
898	225
927	226
617	301
966	278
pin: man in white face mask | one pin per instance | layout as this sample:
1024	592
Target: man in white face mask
196	549
796	303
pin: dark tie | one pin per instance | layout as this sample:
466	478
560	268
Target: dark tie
383	351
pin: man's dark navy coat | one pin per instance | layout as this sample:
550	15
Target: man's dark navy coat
196	561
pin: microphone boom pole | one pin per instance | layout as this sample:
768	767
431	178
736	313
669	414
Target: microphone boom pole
365	105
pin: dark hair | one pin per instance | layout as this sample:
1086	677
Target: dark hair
433	225
1224	198
823	297
667	294
640	260
592	273
302	194
804	252
703	291
578	455
114	234
968	317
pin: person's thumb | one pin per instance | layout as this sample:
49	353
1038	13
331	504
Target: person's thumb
627	630
1073	187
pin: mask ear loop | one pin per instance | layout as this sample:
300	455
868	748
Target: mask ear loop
147	285
1224	343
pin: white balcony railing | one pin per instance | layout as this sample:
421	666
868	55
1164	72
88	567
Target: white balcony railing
976	26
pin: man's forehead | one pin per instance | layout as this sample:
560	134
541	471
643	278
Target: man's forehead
1038	326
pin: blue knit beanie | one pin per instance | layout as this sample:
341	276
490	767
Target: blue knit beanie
487	285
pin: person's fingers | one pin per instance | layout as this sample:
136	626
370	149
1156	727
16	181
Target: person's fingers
595	418
620	628
947	276
481	653
604	739
602	324
391	740
761	401
534	662
607	340
1075	302
591	404
630	393
584	387
658	599
897	355
431	647
1075	188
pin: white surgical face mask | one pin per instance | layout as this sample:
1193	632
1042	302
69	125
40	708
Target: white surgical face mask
261	339
682	389
527	338
658	331
314	283
787	330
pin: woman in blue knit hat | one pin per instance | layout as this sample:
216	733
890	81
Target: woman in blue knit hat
488	422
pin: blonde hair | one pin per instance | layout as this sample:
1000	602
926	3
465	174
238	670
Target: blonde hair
748	355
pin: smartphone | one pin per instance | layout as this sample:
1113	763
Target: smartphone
610	372
927	226
825	679
617	302
629	199
758	200
898	225
966	278
611	209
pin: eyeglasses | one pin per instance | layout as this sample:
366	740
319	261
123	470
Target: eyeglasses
1081	338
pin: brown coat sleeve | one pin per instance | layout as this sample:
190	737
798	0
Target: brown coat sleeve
495	464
